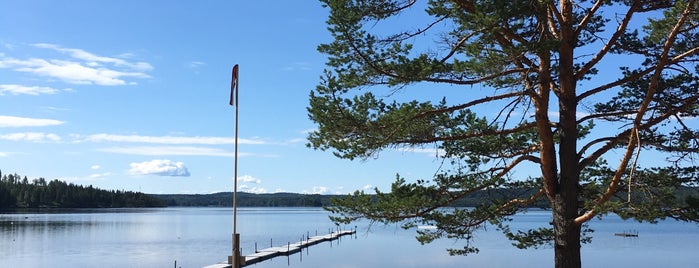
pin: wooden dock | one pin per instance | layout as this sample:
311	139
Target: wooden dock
285	250
627	234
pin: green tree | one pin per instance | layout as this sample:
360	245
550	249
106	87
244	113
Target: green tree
7	200
583	88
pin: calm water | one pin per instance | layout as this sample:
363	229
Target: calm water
196	237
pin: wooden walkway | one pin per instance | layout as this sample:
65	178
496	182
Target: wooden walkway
627	234
285	250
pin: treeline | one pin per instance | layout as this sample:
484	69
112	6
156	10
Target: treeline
225	199
20	192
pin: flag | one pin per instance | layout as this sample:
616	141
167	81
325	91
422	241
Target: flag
234	84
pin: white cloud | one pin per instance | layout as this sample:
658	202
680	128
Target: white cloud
339	190
27	90
254	190
95	167
303	66
97	176
4	154
83	179
103	137
196	64
160	167
50	108
14	121
81	68
168	150
368	187
94	60
248	179
319	190
296	141
248	188
31	136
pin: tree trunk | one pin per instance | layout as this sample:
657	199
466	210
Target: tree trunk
565	203
565	200
567	239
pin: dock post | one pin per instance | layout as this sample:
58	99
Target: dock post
235	259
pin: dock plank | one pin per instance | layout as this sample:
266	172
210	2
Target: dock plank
218	265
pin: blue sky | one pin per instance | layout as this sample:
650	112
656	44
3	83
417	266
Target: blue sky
133	95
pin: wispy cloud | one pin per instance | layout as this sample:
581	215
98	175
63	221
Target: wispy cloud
31	137
81	67
196	64
160	167
15	121
84	179
97	176
168	150
294	66
28	90
166	139
175	141
95	60
296	141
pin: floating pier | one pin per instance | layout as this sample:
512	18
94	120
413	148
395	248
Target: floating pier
285	250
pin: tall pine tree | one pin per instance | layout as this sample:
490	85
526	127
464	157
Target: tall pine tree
585	89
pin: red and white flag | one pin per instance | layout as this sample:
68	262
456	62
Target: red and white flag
234	84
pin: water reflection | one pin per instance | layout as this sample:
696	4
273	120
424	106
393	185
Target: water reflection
196	237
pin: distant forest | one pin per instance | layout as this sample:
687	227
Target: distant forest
19	192
225	199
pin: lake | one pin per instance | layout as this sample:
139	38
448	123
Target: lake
196	237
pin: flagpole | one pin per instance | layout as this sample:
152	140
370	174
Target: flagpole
235	256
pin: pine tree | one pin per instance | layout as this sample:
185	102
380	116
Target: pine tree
585	88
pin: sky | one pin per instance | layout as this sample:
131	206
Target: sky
133	95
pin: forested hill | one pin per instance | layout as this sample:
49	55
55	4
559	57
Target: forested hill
19	192
225	199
